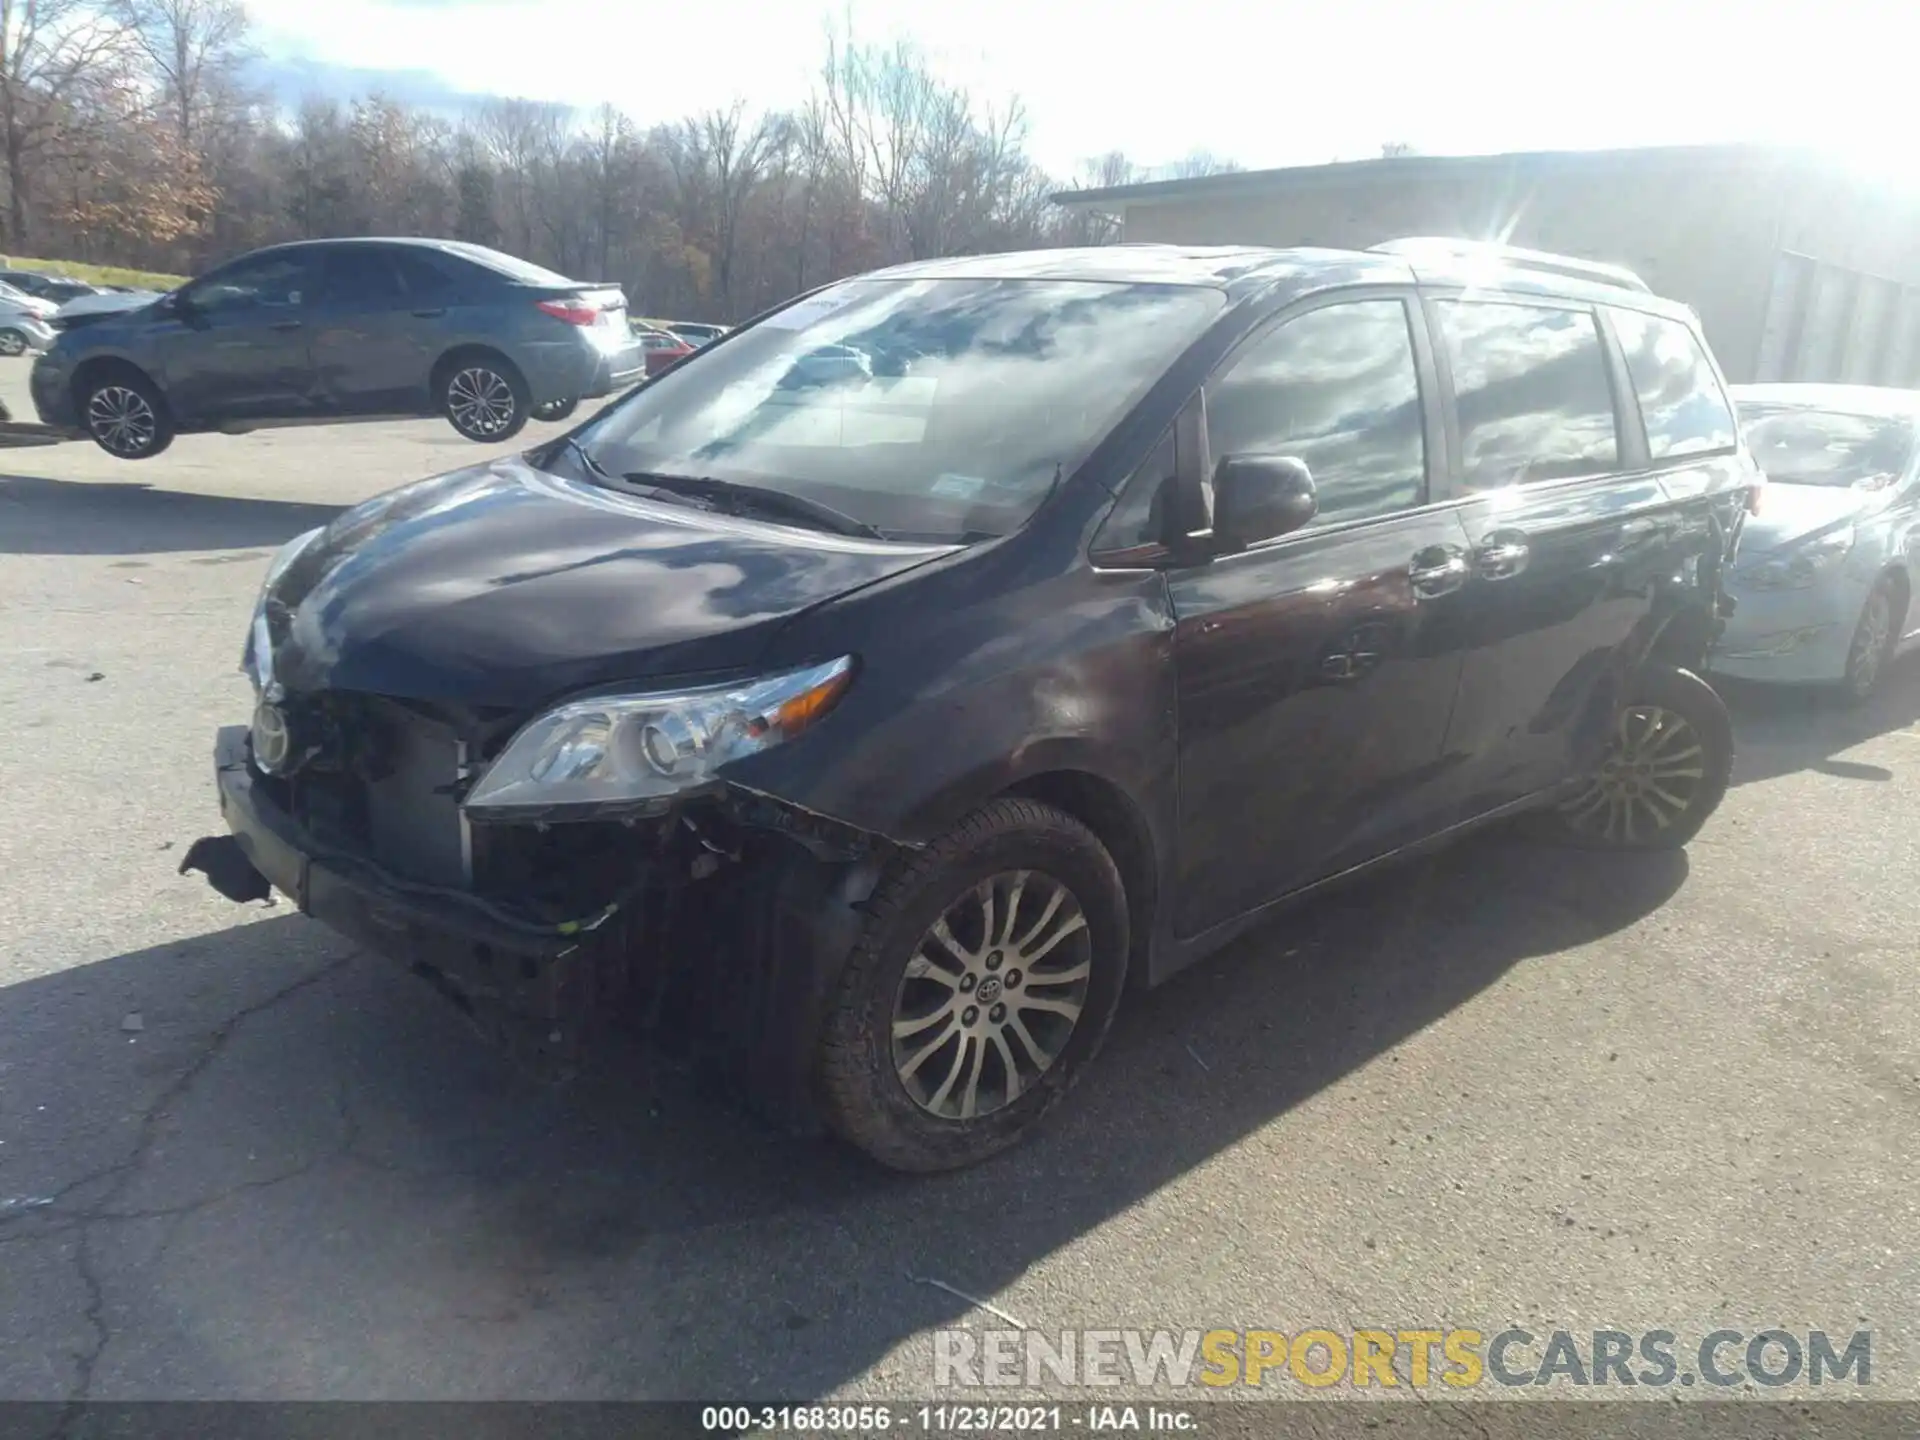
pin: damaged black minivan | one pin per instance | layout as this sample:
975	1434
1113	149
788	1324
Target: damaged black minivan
918	667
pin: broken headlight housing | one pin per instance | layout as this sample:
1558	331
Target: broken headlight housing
1798	566
256	658
636	753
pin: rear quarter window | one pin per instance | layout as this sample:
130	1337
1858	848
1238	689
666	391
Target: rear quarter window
1681	402
1531	393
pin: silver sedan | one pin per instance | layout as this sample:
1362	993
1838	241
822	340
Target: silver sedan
1826	570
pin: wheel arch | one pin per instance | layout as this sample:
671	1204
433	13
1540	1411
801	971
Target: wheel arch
470	350
95	368
1118	824
1895	572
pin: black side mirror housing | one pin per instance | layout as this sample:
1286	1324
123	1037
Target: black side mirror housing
1260	497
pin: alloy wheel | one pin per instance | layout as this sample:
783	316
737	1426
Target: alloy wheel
991	995
1869	648
1653	772
121	420
480	401
12	342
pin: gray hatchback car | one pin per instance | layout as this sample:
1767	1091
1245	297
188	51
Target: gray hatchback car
340	330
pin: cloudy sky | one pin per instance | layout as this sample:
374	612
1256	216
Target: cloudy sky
1157	79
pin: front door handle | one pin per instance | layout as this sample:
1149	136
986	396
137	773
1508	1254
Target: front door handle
1502	555
1437	570
284	325
430	314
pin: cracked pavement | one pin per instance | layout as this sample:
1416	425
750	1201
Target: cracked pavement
1508	1086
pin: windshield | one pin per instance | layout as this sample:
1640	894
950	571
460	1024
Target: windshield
1824	447
927	409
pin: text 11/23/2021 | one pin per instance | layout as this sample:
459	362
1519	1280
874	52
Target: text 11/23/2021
943	1419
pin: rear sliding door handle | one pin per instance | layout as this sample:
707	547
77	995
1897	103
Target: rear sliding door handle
1437	570
1502	555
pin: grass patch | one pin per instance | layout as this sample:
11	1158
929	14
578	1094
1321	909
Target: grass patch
97	274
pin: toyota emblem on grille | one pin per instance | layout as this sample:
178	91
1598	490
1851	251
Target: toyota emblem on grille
272	738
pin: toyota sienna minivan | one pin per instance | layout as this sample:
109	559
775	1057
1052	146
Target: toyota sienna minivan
895	717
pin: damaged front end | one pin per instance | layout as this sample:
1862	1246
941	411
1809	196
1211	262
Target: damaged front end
588	868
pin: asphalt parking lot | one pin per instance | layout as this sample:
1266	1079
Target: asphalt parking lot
1510	1086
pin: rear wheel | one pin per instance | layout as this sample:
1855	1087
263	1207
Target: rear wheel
1874	637
484	398
985	979
12	341
1665	771
556	409
126	416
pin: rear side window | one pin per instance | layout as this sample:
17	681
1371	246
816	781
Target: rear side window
1685	411
358	275
1337	389
1531	393
422	276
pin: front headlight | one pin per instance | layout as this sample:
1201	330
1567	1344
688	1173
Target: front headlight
256	657
637	752
1800	567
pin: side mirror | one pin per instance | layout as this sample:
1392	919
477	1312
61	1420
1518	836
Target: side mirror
1260	497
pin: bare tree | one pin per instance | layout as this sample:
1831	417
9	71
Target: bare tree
59	59
125	120
193	48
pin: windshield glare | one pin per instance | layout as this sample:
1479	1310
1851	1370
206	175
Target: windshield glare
1823	447
929	409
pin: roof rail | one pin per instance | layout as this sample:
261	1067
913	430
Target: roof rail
1413	247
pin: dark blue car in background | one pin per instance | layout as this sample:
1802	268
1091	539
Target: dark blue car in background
338	330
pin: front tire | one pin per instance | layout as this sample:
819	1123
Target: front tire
1874	638
556	409
984	981
13	342
484	398
1666	769
126	416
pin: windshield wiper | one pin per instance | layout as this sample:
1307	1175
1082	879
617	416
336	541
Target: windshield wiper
735	496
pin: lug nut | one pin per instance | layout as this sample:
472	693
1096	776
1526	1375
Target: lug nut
970	1014
997	1014
967	982
993	961
1013	978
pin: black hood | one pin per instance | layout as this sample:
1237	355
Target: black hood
505	586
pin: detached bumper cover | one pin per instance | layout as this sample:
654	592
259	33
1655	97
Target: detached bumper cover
528	985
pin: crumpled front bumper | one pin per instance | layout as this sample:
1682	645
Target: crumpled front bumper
1790	636
530	987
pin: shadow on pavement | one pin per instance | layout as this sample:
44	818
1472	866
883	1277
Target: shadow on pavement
65	517
308	1180
1778	729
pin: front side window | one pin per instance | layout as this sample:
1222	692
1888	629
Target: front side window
1337	389
274	280
1681	402
928	409
1800	446
1531	393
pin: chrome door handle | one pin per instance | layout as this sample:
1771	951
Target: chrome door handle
1437	570
1502	555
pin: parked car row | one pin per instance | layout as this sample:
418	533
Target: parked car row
959	646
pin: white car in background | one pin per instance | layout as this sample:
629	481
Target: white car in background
23	321
1824	583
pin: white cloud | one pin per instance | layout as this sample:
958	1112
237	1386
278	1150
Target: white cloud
1160	78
